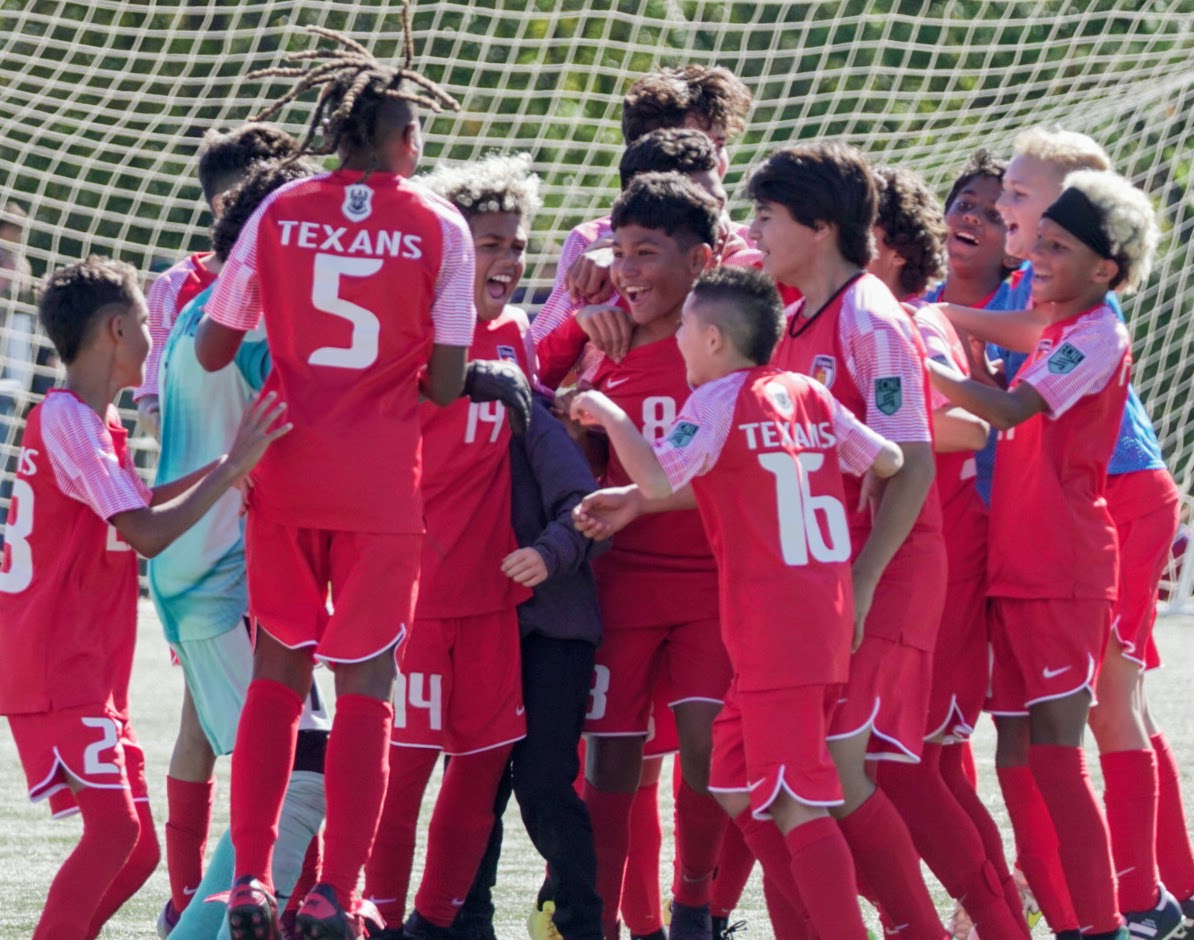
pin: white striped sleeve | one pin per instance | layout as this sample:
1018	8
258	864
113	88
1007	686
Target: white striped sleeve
162	301
886	365
1086	357
453	311
558	306
694	442
236	300
84	459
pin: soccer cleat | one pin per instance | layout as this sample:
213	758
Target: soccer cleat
1032	910
690	923
323	917
252	911
724	930
1162	922
167	919
1188	911
417	927
540	926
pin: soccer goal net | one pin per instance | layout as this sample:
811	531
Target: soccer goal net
102	104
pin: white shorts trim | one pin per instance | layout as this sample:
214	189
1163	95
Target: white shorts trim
1085	685
482	750
868	725
696	698
781	785
361	659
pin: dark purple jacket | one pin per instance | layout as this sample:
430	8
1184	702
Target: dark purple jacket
550	476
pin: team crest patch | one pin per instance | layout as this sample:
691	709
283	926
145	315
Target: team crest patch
1043	347
1065	359
889	394
780	398
683	433
507	354
824	370
358	203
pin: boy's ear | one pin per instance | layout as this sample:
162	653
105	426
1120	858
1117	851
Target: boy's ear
1106	271
700	256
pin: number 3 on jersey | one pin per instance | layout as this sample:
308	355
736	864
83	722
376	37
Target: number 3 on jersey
325	295
800	530
16	569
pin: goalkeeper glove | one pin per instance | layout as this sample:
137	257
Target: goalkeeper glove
495	380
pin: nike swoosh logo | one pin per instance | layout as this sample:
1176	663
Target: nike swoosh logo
458	902
1053	673
520	710
189	891
614	383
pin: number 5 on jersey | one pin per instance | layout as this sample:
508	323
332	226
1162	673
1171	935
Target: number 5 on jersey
325	296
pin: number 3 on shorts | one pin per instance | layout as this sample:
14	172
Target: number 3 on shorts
325	296
109	739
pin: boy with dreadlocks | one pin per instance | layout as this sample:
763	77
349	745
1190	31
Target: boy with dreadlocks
322	260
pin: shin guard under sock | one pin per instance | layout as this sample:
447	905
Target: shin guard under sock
387	873
459	832
1036	846
824	875
641	905
610	814
261	762
884	854
188	819
1084	844
110	834
700	825
355	776
1130	797
1174	856
958	859
734	866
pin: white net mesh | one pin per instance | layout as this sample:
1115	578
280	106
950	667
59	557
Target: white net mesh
102	104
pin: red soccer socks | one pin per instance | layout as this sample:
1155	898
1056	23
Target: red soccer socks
261	762
188	819
1130	797
1084	845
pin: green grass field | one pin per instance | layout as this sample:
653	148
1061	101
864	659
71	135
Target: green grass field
32	845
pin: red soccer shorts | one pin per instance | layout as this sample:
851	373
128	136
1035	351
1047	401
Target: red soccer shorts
373	578
888	692
631	662
86	743
1144	506
662	736
765	741
1044	649
460	684
961	662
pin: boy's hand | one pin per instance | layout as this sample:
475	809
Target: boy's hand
261	425
871	491
592	409
588	280
494	380
609	329
526	566
149	413
864	596
603	514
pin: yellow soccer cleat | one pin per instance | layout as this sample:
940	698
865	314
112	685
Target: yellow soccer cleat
540	926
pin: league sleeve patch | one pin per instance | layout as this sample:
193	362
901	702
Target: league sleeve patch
889	394
1065	359
683	433
507	354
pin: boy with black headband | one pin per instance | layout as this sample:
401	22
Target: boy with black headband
1053	594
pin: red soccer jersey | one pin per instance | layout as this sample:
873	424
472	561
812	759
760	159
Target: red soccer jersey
649	385
765	451
862	346
466	492
964	515
170	292
355	281
68	584
1052	468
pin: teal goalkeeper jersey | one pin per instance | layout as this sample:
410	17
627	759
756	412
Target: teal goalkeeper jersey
198	583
